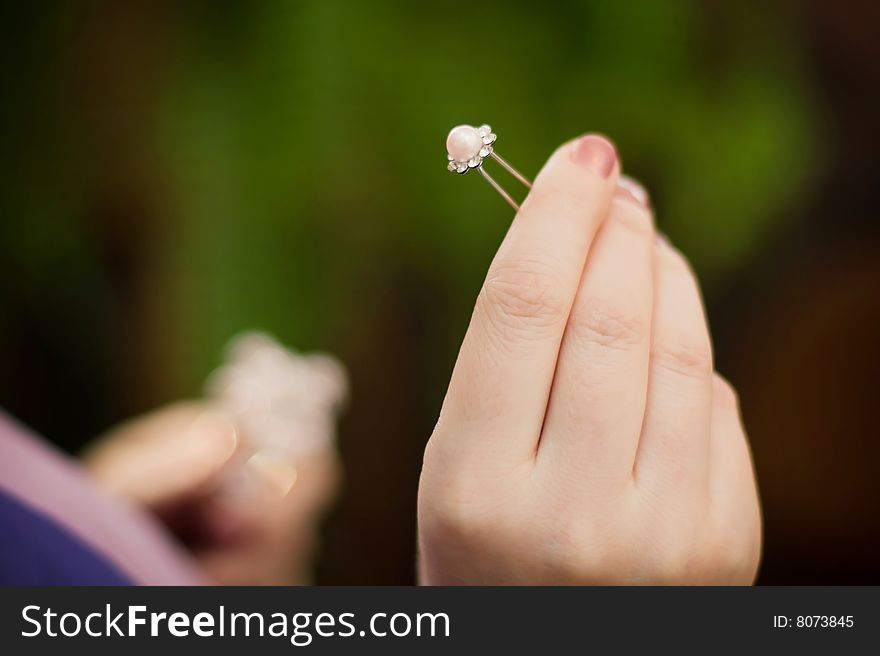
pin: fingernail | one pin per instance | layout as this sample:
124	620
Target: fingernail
262	478
629	187
596	153
277	475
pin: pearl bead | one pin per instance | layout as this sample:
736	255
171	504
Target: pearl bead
464	143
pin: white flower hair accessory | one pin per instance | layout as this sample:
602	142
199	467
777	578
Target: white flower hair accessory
467	148
285	403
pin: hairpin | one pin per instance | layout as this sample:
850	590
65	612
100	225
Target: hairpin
468	146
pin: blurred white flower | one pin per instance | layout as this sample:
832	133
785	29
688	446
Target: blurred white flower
285	403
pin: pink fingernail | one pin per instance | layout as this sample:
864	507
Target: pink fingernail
633	189
596	153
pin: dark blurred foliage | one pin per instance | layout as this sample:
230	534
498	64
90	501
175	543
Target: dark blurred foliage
173	173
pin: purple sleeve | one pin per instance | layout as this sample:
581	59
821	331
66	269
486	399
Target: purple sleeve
51	485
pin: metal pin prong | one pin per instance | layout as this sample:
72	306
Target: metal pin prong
468	147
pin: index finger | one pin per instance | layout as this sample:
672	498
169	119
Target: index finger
502	378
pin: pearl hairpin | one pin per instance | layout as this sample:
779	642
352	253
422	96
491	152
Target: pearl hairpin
467	147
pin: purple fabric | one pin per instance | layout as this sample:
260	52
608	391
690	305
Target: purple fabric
52	484
37	551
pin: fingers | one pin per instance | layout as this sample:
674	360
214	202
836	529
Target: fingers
673	450
269	531
502	378
267	494
598	397
169	454
733	493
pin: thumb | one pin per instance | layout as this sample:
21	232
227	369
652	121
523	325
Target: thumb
166	456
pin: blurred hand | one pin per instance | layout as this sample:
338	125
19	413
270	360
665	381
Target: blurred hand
248	519
584	437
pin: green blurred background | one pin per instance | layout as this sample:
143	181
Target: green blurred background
176	172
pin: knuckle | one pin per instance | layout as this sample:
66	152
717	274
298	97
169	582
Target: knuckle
674	566
731	557
573	554
450	510
689	357
607	324
456	513
523	295
737	539
683	555
456	502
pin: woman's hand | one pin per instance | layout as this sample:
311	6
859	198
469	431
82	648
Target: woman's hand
584	437
246	518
